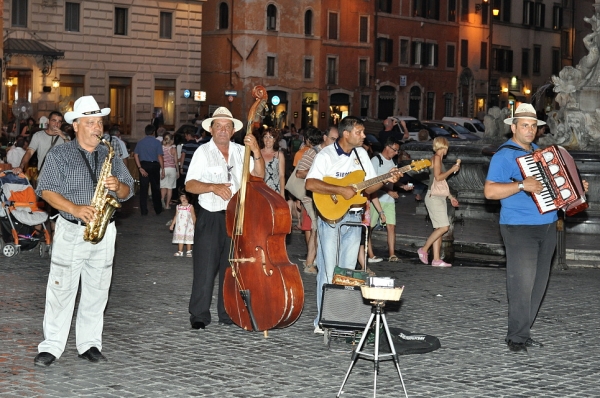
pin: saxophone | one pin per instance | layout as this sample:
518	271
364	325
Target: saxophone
104	203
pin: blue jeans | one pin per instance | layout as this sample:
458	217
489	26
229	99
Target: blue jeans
529	250
328	236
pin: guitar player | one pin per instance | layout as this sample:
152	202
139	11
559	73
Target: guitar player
345	156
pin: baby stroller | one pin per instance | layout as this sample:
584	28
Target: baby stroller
19	214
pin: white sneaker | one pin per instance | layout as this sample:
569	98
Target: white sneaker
318	330
375	259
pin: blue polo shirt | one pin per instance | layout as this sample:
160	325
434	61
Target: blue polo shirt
148	149
517	209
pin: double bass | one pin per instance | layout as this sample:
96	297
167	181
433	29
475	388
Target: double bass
262	289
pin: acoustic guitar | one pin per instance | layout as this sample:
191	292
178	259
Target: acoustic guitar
333	207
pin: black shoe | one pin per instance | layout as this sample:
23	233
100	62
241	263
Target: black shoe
533	343
198	325
226	323
516	347
93	355
44	359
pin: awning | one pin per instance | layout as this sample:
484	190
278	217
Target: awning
518	96
30	47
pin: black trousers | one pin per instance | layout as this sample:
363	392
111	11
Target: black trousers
529	250
211	255
153	179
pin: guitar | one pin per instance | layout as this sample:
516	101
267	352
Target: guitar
333	207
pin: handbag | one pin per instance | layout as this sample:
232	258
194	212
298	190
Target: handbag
295	185
440	188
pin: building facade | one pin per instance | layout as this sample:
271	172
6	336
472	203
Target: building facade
136	57
321	60
415	53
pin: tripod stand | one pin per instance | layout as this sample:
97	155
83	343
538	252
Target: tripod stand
377	315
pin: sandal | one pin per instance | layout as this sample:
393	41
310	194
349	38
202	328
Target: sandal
394	259
188	253
178	254
310	268
369	271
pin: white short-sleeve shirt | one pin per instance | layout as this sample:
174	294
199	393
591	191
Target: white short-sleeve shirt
209	166
331	161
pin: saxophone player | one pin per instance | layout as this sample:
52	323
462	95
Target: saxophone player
68	183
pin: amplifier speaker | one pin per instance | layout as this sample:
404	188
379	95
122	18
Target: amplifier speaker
343	307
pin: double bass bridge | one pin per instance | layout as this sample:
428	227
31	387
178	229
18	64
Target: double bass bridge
252	260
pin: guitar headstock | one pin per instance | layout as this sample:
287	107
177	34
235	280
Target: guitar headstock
418	165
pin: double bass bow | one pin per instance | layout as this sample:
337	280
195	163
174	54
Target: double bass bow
262	289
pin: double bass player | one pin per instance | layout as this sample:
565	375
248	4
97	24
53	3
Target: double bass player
215	174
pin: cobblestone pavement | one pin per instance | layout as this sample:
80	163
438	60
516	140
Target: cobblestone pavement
153	353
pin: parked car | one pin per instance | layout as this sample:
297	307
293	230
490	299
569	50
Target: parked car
413	125
439	131
455	128
473	125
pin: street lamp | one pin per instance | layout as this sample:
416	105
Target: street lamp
495	12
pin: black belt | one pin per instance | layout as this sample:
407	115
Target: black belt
148	161
77	222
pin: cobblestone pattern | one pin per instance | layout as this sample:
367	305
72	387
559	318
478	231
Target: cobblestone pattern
152	351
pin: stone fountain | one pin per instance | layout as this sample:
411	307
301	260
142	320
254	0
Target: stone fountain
575	125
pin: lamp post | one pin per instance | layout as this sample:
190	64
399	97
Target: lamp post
495	11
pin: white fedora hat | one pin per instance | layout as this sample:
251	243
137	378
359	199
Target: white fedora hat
86	107
222	113
525	111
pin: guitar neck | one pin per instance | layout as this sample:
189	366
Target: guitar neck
373	181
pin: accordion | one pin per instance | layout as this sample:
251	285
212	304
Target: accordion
562	189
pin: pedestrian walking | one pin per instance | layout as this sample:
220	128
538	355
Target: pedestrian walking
436	203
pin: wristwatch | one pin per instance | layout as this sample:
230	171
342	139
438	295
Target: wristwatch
521	186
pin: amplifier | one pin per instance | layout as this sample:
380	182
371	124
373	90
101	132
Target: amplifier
343	307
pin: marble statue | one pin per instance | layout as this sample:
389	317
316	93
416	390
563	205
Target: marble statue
575	124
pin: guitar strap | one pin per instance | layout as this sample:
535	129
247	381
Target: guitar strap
359	162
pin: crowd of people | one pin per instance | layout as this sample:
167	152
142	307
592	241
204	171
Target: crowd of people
204	164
